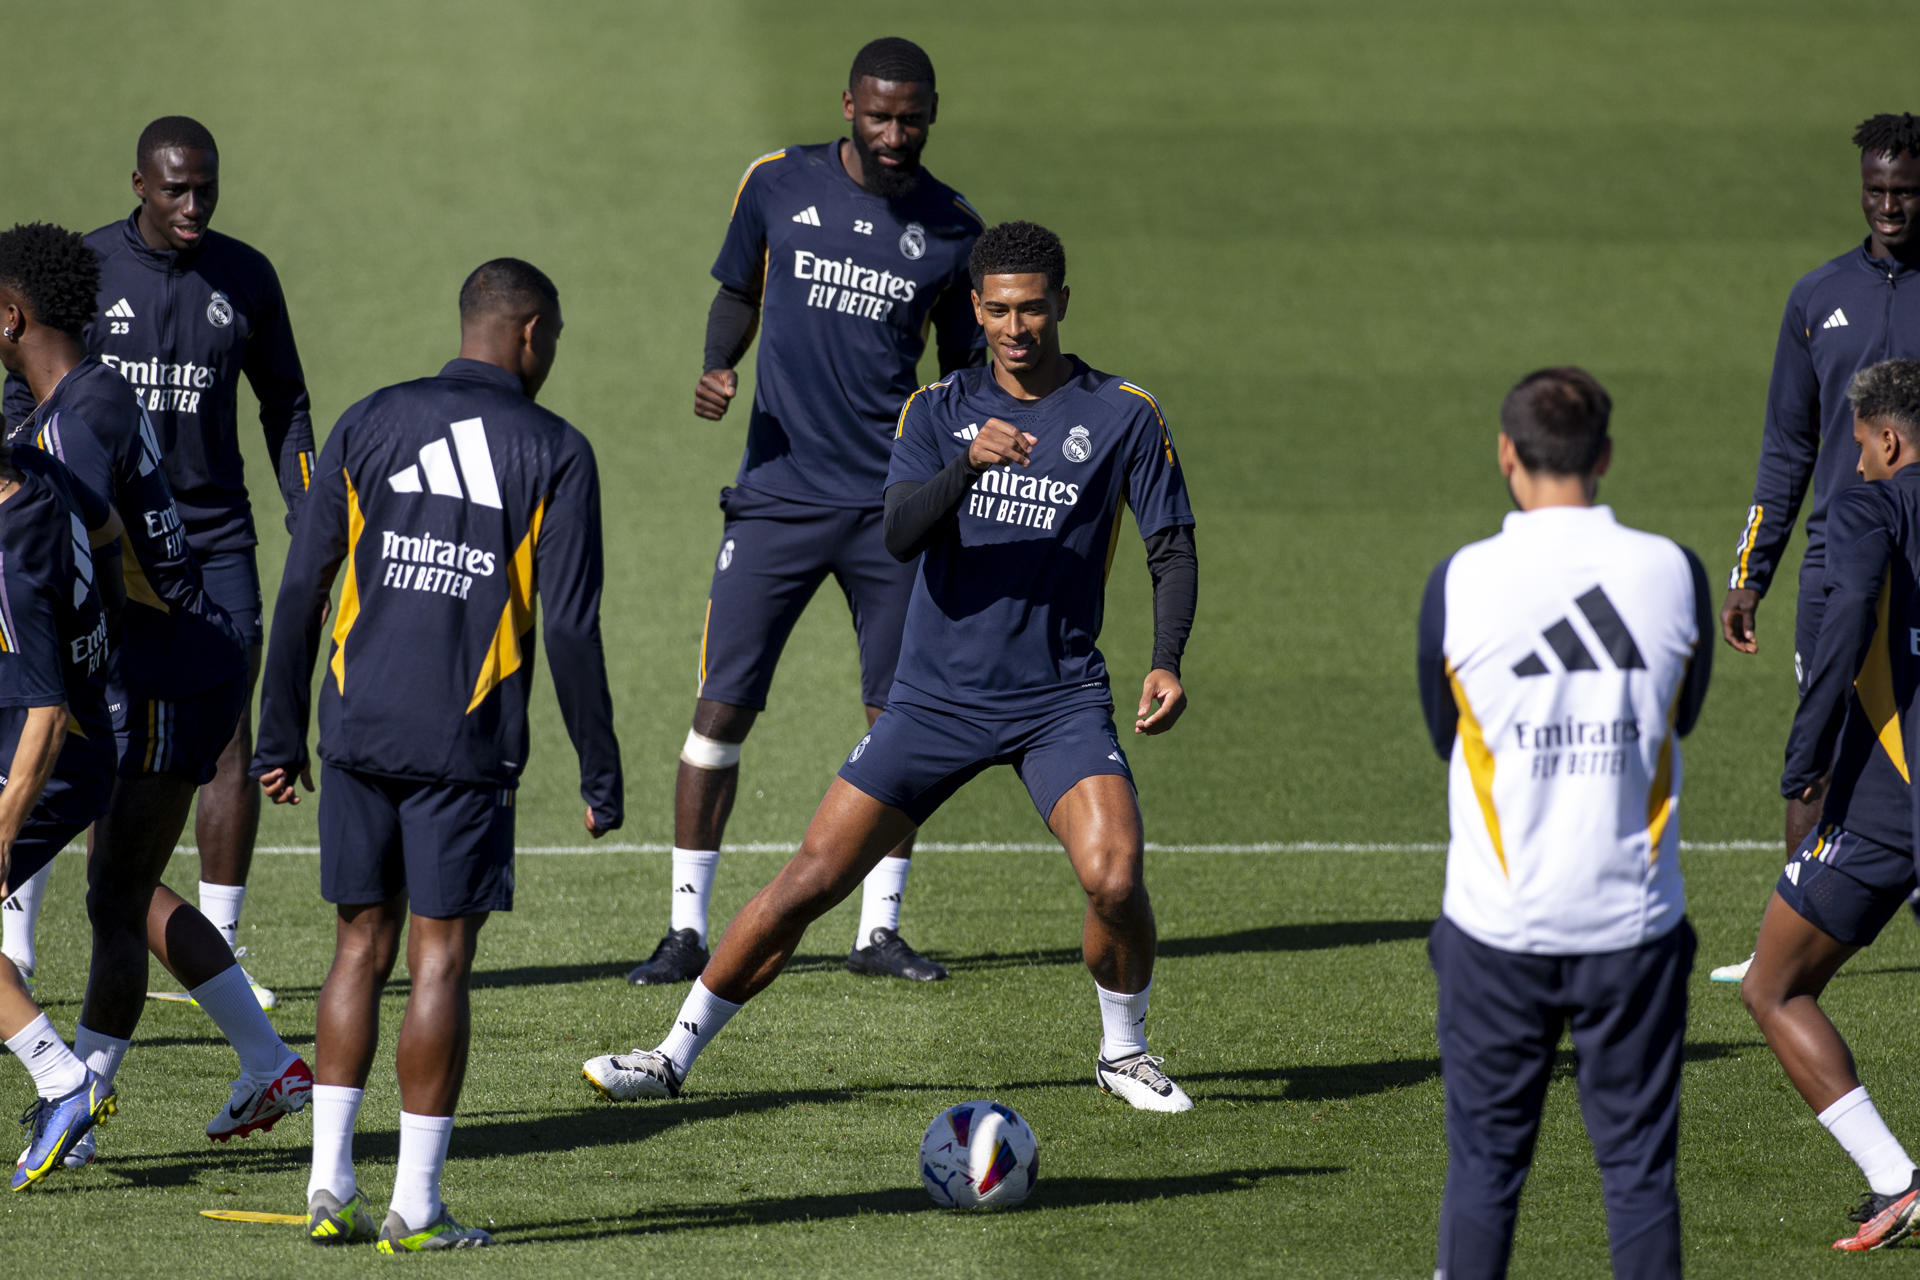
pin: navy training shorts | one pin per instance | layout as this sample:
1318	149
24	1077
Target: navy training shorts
774	554
183	736
914	758
447	845
232	579
1846	885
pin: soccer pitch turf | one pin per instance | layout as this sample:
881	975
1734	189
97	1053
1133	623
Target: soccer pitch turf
1327	237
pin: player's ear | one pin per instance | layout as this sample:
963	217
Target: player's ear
1505	457
1605	459
846	104
1066	291
139	186
933	112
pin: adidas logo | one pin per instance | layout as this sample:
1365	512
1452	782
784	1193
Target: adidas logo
892	897
41	1048
685	888
1838	320
11	904
692	1028
968	432
1115	757
442	478
121	310
808	216
1793	872
1572	650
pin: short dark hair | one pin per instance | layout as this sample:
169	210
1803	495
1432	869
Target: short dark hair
894	60
169	132
1889	135
1018	249
506	287
1557	420
1889	390
53	271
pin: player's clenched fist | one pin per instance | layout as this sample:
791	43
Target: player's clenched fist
1000	444
714	392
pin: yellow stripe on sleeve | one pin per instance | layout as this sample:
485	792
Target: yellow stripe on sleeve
771	155
1754	517
1479	757
900	427
349	612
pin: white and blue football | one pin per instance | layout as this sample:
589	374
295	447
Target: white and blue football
979	1155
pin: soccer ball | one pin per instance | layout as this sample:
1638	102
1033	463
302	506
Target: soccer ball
979	1155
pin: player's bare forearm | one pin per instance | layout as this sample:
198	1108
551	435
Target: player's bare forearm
41	738
1737	619
1162	702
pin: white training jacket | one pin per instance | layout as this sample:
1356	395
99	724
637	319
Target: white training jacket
1560	661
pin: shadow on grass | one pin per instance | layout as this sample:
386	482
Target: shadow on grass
1051	1193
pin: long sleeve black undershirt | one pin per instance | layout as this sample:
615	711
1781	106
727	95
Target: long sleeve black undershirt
918	515
732	321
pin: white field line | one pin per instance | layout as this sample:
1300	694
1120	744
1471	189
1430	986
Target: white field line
993	846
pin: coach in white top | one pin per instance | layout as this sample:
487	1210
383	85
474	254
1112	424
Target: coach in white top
1560	661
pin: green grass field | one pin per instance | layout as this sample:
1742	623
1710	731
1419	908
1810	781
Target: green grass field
1328	237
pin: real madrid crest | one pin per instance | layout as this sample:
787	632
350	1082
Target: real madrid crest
1078	445
913	242
859	748
219	310
726	556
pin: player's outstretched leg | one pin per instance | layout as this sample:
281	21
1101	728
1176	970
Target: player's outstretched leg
1098	821
1793	962
703	793
878	949
850	832
346	1032
274	1080
434	1036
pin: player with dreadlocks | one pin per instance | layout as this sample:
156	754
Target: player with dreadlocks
1862	307
176	687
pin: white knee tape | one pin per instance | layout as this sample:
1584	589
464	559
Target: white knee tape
703	752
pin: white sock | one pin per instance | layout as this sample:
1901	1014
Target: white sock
46	1057
220	904
228	1000
693	872
1123	1022
102	1054
423	1157
20	916
700	1019
1855	1124
334	1109
880	898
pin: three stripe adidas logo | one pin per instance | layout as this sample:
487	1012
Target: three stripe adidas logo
121	310
968	432
1572	650
1838	320
443	478
808	216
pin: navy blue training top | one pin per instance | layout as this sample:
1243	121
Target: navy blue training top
1007	605
182	328
1858	716
177	642
446	504
53	635
1849	313
849	283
